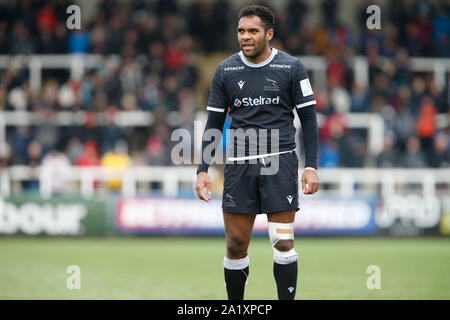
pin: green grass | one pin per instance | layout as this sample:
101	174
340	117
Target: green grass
191	268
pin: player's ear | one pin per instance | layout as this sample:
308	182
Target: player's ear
269	34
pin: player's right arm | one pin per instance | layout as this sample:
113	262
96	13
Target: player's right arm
217	113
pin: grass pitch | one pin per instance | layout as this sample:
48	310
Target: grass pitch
191	268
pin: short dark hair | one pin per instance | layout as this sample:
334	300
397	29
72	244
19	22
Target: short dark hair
265	14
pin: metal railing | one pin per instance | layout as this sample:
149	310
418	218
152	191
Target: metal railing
346	183
79	63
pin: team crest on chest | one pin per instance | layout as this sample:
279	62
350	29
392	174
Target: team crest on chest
271	85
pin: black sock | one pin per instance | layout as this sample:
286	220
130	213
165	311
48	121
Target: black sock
286	279
235	282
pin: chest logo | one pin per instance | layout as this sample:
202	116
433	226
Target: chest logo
237	103
273	85
241	84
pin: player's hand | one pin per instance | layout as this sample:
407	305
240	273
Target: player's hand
310	182
203	181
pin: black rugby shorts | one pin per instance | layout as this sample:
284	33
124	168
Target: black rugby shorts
248	190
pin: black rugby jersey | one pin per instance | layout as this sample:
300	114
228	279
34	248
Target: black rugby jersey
263	95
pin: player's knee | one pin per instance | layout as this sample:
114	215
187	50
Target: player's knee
282	239
284	245
279	232
236	247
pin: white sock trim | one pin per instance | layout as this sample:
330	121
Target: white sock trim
236	264
284	257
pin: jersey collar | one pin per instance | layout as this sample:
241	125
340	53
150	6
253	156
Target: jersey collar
262	63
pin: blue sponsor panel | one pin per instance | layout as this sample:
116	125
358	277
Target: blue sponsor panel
336	216
413	215
190	216
331	216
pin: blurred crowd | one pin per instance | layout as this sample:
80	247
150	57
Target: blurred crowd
159	43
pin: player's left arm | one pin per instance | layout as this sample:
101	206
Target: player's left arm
303	97
308	119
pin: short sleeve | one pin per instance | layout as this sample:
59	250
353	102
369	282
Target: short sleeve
301	90
217	100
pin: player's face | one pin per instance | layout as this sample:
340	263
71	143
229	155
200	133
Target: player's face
252	37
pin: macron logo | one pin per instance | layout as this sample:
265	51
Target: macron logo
289	198
241	84
291	289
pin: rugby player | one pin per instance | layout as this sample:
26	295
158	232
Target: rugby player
259	87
